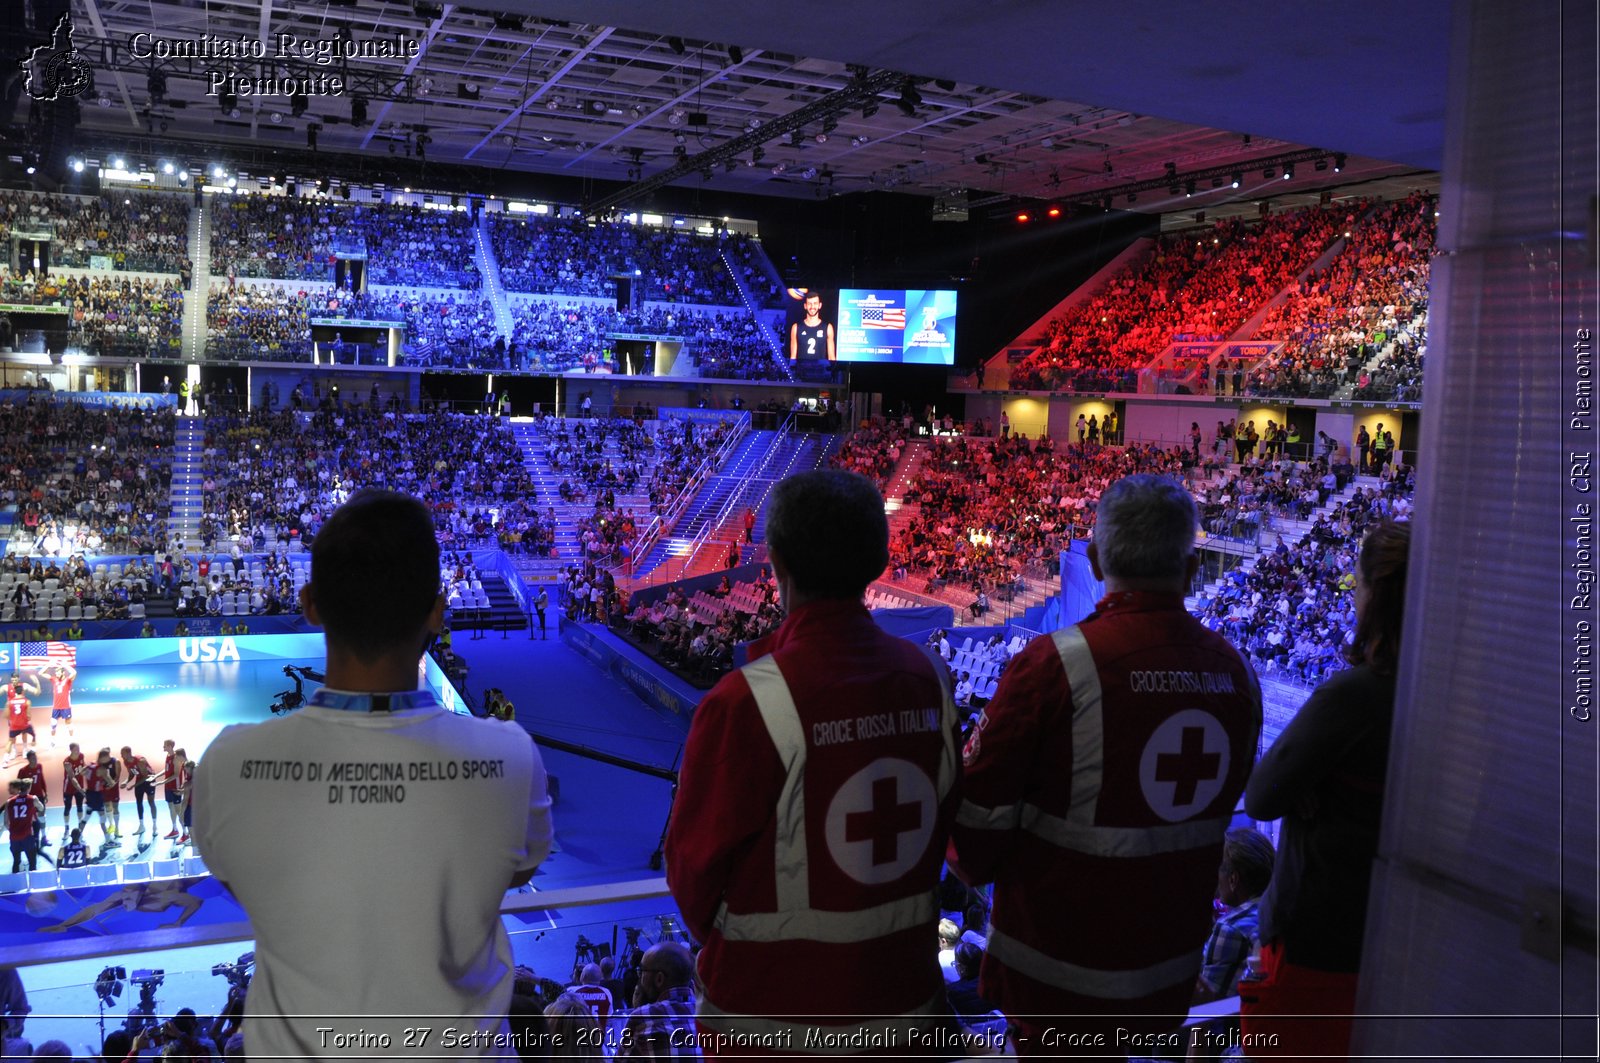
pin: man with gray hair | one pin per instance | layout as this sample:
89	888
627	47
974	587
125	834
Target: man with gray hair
1099	784
815	800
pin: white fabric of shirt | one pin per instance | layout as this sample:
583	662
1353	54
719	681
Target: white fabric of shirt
373	908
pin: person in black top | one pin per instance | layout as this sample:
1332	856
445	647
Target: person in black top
1324	777
811	337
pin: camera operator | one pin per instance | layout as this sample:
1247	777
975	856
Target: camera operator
178	1038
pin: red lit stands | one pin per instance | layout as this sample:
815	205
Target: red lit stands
1367	308
990	512
695	636
1192	286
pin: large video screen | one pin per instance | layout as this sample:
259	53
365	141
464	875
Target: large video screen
914	325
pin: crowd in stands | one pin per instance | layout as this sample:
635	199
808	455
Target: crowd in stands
144	231
874	449
85	479
556	337
113	314
991	512
1334	321
681	448
695	635
566	256
274	236
1195	287
277	476
1294	612
109	315
410	245
745	254
257	321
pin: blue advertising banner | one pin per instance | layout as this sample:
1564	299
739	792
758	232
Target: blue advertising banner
121	400
653	684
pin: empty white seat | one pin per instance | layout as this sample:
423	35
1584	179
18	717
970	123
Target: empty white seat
136	611
75	613
91	612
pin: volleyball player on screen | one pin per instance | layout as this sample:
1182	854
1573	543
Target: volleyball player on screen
811	337
61	676
19	723
74	782
141	780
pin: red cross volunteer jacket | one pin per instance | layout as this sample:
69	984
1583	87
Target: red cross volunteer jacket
1098	786
809	833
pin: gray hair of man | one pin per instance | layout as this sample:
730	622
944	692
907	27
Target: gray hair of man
1144	534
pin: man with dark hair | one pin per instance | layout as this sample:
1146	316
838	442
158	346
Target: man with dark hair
359	917
816	794
1100	781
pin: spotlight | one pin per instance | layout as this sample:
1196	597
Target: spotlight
595	108
1288	172
677	116
233	182
156	83
1054	212
735	54
469	90
32	170
276	117
217	171
358	110
168	169
1188	187
1023	216
553	103
860	139
821	138
118	163
1237	179
677	45
1338	163
183	175
76	164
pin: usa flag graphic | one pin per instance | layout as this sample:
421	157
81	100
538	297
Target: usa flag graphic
43	654
885	317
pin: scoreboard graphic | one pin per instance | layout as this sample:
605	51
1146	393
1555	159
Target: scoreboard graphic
894	325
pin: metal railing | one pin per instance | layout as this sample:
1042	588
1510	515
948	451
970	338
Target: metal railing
668	517
756	476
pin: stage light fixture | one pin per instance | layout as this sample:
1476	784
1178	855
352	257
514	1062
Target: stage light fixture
594	108
677	45
156	83
1022	216
1237	179
228	102
909	99
76	164
1054	212
1338	163
32	170
469	90
821	138
869	108
553	103
676	116
1188	187
118	163
735	54
183	176
167	168
1288	172
217	171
